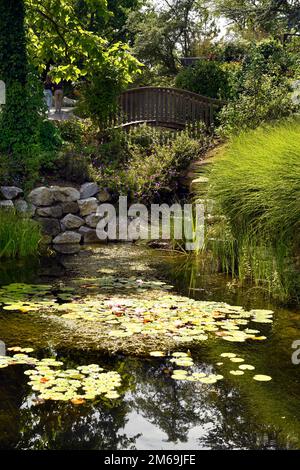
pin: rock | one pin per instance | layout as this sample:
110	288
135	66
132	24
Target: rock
10	192
89	235
7	205
67	238
68	102
70	207
31	209
22	206
64	194
104	196
71	221
88	190
41	197
88	206
53	211
49	226
92	220
67	249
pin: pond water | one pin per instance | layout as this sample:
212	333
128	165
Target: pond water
153	411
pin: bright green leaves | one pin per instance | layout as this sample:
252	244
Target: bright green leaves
57	34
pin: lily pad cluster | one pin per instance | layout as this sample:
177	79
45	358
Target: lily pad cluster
201	377
75	385
244	367
28	298
262	316
50	382
183	359
111	283
19	358
183	319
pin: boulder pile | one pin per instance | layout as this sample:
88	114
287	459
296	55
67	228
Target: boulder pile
68	216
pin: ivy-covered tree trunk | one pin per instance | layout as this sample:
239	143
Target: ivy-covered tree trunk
17	122
13	58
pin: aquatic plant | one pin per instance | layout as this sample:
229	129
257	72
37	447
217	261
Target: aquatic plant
165	318
255	183
50	382
19	235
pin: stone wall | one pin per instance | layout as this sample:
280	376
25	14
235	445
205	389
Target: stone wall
67	215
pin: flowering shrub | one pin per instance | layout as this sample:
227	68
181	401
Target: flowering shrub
150	173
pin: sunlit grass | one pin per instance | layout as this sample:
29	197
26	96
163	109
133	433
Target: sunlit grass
19	235
256	185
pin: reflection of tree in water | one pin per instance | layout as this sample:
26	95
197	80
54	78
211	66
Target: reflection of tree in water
235	426
55	425
219	411
11	398
175	407
64	426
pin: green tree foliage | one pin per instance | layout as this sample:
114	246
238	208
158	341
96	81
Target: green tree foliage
60	36
35	35
207	78
113	24
163	34
261	16
261	88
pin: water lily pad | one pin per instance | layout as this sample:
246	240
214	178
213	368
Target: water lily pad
246	367
157	354
236	372
262	378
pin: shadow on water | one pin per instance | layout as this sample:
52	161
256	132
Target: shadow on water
154	411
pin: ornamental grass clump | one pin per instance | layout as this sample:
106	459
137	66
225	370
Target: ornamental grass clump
256	185
19	235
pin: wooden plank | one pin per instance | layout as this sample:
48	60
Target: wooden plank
165	106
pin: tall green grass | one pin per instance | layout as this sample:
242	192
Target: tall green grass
256	185
19	235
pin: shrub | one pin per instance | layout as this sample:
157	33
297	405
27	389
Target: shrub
99	97
27	139
261	89
71	130
150	170
207	78
74	165
19	235
256	185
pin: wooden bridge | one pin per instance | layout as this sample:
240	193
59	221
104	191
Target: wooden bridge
165	107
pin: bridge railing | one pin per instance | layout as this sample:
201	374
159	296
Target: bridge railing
166	107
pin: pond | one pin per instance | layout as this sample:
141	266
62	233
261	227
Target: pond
151	409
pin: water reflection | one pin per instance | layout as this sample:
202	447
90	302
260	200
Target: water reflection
155	412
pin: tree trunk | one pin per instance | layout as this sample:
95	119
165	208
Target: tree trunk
13	58
17	122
